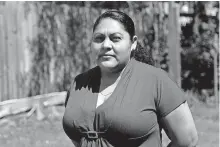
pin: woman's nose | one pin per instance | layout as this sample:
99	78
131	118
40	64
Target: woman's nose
107	44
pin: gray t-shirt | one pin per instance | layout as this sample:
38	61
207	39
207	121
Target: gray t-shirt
130	116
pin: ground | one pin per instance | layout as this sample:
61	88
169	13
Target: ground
18	131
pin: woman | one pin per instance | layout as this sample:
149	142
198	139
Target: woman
122	102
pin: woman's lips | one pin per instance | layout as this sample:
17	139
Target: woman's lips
106	55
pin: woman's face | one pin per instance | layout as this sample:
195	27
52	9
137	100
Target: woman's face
111	45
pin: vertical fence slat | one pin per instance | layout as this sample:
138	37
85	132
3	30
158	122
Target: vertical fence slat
1	57
11	42
5	54
16	50
174	43
20	50
8	37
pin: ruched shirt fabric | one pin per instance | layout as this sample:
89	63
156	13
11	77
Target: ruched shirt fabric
130	116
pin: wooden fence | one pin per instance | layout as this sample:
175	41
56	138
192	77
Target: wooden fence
19	26
16	29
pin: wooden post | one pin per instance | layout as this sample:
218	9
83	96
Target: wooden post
156	31
216	68
216	75
20	50
11	8
4	53
174	43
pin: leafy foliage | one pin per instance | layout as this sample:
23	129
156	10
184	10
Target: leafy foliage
198	44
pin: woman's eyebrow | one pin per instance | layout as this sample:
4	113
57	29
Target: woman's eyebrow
116	33
95	34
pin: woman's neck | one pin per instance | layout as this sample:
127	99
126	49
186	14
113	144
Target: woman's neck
109	78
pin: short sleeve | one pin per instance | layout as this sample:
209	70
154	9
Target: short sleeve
169	95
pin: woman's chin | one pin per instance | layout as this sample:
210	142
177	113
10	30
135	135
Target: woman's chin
107	65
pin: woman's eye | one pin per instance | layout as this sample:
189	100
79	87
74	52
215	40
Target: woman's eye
116	39
99	39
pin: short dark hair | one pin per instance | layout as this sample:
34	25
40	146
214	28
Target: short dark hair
119	16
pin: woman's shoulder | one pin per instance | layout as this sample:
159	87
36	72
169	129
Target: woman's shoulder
149	70
85	78
88	73
82	80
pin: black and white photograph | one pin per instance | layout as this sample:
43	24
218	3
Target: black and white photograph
109	73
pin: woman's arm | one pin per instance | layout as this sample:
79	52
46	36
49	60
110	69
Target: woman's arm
180	128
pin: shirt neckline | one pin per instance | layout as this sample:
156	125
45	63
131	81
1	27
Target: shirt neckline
112	96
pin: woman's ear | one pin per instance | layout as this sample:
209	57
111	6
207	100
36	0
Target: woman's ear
134	43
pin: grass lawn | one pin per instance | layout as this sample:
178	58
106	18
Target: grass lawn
16	131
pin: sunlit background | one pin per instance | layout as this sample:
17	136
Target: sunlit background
44	45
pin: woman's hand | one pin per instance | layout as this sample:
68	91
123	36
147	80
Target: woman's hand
180	128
